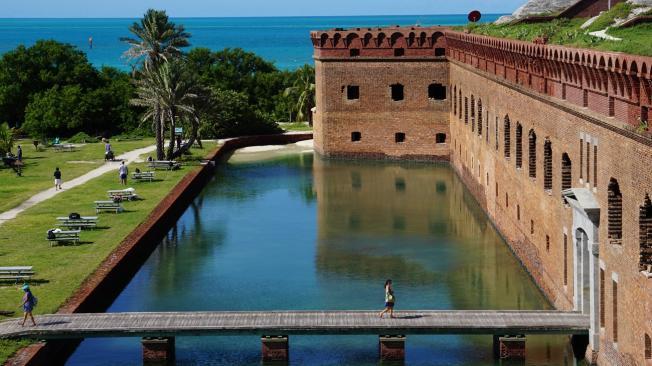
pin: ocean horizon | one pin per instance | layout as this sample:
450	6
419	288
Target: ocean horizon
282	40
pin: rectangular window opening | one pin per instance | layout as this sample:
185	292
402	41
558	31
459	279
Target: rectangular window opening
352	92
399	137
439	51
354	52
356	136
436	92
399	52
397	92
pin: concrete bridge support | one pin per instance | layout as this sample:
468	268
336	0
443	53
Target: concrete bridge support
275	349
158	351
509	347
391	347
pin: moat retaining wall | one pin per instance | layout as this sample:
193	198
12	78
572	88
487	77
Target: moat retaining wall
99	290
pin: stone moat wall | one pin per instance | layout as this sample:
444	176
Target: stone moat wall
523	122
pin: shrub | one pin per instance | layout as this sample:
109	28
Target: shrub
6	139
82	138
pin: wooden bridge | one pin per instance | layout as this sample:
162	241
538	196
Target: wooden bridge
159	329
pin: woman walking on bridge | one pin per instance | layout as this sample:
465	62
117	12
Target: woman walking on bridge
29	301
389	299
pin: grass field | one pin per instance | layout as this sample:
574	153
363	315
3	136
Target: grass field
295	126
61	269
39	167
635	40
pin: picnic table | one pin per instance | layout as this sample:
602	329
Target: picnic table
80	223
164	164
107	206
142	176
63	236
122	194
63	147
16	273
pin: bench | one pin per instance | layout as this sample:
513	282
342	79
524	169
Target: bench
63	147
63	236
16	273
164	164
88	222
107	206
122	194
142	176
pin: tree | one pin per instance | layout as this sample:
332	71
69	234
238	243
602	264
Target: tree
26	71
157	39
169	94
7	138
158	42
304	90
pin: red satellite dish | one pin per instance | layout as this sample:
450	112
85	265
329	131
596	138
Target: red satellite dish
474	16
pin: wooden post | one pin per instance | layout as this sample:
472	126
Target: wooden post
509	347
275	348
158	351
391	347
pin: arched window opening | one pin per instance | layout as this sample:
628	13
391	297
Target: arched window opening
547	165
648	347
397	92
519	146
532	154
507	137
472	113
566	172
645	234
614	212
436	92
466	110
455	100
496	133
480	117
460	104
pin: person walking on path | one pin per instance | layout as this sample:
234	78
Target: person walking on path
28	303
19	153
57	179
123	171
389	299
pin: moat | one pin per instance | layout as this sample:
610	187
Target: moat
287	230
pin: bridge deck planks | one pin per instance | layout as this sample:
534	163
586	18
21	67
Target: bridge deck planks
296	322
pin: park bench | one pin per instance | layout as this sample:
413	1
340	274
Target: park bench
16	273
88	222
107	206
141	176
63	236
164	164
63	147
122	194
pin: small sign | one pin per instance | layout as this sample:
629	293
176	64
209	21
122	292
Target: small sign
474	16
178	131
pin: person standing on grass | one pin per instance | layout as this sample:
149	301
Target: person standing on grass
123	171
57	179
28	303
389	299
19	153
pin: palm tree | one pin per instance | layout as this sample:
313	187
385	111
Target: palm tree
157	42
169	96
157	39
304	88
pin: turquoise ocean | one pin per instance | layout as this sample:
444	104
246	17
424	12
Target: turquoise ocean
284	40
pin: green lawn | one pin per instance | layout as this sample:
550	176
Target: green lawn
635	40
61	269
39	167
295	126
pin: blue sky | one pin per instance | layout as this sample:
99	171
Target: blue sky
218	8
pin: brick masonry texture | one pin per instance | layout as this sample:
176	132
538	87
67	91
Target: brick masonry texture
562	95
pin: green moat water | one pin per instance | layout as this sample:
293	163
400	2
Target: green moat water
291	231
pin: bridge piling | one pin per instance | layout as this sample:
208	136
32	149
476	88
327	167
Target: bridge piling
509	347
275	349
158	351
391	347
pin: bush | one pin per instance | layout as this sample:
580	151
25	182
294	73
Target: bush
82	138
6	139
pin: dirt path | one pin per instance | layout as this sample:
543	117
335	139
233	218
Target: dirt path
128	158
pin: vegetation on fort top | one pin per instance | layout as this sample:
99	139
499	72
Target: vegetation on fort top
61	269
568	32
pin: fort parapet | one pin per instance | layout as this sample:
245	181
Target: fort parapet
550	140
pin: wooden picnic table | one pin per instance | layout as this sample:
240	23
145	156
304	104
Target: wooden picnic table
64	236
128	193
82	222
63	147
142	176
164	164
16	273
107	206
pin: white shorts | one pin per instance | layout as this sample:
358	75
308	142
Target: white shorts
57	182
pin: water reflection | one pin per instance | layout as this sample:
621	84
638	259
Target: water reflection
298	232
